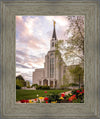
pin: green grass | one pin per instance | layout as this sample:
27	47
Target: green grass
30	94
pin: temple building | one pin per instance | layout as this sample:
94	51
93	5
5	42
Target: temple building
54	67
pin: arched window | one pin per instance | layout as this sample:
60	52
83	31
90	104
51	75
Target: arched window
52	44
45	82
51	54
51	67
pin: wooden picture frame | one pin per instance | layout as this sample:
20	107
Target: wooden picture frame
8	107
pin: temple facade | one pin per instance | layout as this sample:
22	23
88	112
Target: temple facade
54	67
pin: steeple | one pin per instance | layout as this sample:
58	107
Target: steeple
54	38
54	31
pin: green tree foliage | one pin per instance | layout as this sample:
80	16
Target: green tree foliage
77	72
34	85
73	47
28	84
18	87
66	80
20	81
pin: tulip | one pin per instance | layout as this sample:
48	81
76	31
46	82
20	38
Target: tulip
72	98
27	101
53	102
70	93
23	101
61	98
46	98
35	99
62	95
78	91
30	101
83	91
41	98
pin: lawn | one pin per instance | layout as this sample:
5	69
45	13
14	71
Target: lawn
31	94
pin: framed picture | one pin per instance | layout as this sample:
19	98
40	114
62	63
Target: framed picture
52	69
21	53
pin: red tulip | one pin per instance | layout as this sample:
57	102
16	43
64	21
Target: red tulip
78	91
62	95
83	91
46	98
74	96
27	101
45	91
23	101
46	101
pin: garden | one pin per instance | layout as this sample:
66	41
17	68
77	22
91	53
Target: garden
50	96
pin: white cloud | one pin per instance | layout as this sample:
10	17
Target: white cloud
32	38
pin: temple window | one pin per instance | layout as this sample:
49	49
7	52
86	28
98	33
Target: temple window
52	44
51	67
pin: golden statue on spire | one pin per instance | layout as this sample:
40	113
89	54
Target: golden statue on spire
54	22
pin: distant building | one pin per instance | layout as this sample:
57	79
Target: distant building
54	68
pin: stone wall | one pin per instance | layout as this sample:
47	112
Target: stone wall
38	75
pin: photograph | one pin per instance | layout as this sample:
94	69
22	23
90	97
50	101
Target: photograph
50	59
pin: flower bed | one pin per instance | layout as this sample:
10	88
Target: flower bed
76	96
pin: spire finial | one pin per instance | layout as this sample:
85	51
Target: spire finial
54	23
54	31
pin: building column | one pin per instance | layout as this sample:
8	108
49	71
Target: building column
42	82
53	83
48	82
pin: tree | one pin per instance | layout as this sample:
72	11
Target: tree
28	84
20	77
73	48
20	81
77	73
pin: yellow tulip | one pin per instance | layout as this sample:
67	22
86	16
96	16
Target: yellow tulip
30	101
61	98
53	102
70	93
41	98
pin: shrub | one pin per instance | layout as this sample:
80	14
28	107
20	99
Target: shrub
54	97
43	87
79	94
34	85
18	87
28	86
73	84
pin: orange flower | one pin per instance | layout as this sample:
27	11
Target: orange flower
72	98
35	99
